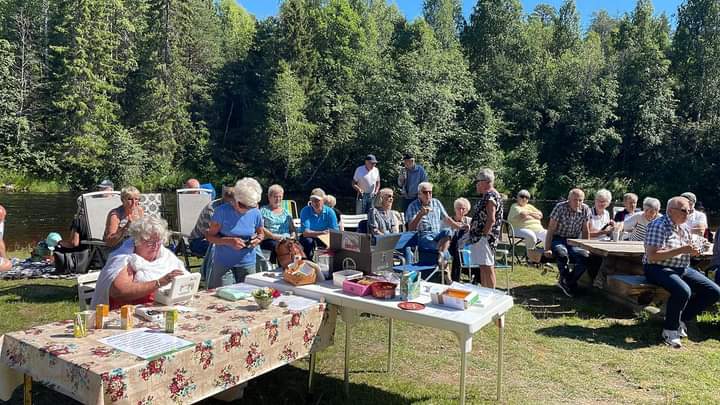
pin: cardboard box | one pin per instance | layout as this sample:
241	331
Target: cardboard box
454	298
357	249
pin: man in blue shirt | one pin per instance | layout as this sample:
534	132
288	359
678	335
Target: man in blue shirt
316	220
411	175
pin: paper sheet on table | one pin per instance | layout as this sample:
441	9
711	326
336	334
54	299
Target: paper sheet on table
145	343
295	302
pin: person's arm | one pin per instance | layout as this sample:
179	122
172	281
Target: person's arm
535	213
124	288
213	236
415	221
333	221
355	180
73	241
655	253
114	233
586	230
377	183
3	253
453	223
630	222
258	237
552	227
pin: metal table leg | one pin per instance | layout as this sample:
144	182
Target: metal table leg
463	368
347	359
390	345
311	371
501	331
27	390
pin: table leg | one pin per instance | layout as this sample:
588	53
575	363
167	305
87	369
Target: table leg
501	331
390	345
463	368
311	371
347	359
27	390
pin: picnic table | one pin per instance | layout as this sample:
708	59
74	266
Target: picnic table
233	343
621	272
464	324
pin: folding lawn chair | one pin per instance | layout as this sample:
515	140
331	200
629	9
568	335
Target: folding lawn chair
97	206
190	203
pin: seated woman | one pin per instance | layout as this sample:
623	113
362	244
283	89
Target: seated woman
139	267
277	222
331	201
630	201
636	224
381	219
236	229
601	226
525	220
459	236
119	219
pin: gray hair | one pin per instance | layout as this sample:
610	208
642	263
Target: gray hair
576	191
603	193
330	200
381	195
485	174
523	193
248	192
632	196
145	227
424	185
651	203
275	189
677	201
128	192
462	201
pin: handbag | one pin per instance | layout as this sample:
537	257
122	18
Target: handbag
286	250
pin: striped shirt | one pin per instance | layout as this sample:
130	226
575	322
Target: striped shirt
636	224
662	233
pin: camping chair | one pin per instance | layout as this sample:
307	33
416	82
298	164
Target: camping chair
350	222
97	206
503	257
291	207
190	203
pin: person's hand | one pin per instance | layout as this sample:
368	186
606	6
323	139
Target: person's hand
237	243
690	250
548	253
168	278
424	210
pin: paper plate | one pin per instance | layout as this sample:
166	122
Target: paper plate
411	306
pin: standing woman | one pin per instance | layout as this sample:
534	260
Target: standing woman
277	222
485	226
236	228
119	219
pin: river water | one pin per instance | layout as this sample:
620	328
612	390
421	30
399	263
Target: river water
31	216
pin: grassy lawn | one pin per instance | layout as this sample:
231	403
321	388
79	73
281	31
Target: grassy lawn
557	350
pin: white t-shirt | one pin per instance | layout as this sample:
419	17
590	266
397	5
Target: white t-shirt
366	179
597	221
696	220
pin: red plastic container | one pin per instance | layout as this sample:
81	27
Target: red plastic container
351	287
383	290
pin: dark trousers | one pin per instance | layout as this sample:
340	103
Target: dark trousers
270	244
574	255
690	292
199	246
309	244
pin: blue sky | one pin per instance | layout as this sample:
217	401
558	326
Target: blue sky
413	8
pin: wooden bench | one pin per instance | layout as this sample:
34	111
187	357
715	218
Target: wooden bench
636	291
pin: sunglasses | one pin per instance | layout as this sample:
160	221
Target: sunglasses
683	210
426	191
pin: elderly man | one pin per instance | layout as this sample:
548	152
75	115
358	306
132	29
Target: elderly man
636	224
410	177
192	183
316	220
696	221
668	248
426	215
366	181
569	219
5	263
630	201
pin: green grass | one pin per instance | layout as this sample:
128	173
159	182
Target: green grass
557	350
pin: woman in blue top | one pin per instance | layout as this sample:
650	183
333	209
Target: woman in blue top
236	229
277	222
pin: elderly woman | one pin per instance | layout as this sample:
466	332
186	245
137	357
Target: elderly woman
485	226
630	201
637	223
139	267
461	207
381	219
331	202
119	219
277	222
601	226
525	219
236	228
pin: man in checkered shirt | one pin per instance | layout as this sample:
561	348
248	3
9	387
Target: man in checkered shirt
568	220
668	248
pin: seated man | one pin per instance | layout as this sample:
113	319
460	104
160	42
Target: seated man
316	220
668	248
697	220
569	219
630	201
5	263
426	215
636	224
139	267
198	239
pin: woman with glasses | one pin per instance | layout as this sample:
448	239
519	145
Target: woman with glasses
381	219
525	219
601	226
139	267
119	219
236	228
277	222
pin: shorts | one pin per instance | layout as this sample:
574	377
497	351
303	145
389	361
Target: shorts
482	254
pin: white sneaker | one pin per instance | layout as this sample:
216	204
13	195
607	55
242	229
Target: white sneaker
672	338
682	330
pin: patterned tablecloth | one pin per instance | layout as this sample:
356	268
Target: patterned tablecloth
234	342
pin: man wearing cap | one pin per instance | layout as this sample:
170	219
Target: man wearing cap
568	220
366	181
316	220
5	263
410	177
696	221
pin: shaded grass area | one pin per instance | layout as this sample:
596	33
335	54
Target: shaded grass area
557	350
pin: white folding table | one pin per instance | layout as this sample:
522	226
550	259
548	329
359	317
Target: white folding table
463	324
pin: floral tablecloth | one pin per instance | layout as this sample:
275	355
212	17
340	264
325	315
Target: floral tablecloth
234	342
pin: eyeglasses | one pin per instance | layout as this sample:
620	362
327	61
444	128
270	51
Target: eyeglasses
524	197
132	199
683	210
389	197
152	243
426	191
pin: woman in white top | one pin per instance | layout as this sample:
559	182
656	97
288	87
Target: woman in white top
601	226
636	224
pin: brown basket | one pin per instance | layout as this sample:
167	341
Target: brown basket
383	290
299	278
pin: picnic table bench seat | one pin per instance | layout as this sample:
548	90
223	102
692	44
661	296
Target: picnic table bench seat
636	289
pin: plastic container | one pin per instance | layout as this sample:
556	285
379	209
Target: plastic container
355	288
383	290
340	276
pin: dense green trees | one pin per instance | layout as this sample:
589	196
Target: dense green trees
144	90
